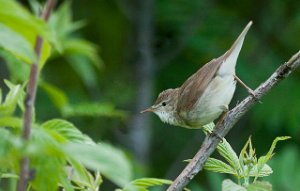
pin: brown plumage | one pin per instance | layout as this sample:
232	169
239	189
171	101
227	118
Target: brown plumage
204	95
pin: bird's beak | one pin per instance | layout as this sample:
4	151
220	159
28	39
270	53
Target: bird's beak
150	109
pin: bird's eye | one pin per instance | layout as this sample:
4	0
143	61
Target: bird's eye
164	103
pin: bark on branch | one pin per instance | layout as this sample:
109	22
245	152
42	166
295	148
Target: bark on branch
210	143
30	100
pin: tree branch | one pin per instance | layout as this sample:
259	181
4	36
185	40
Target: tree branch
210	143
30	100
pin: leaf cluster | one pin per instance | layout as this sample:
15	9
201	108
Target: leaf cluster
246	167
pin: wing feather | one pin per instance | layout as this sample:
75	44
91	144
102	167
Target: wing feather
192	89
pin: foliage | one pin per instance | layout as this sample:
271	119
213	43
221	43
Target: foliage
75	84
246	167
60	154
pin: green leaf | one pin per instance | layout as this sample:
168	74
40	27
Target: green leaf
57	96
48	158
111	162
16	44
264	159
224	149
93	110
228	185
260	186
19	19
82	66
216	165
13	15
143	184
9	175
67	130
18	70
83	48
61	21
14	122
266	170
14	96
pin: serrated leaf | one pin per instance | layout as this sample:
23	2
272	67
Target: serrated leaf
111	162
228	185
216	165
66	130
266	170
144	183
224	149
92	110
264	159
16	44
260	186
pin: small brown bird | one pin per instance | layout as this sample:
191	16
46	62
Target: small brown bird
205	95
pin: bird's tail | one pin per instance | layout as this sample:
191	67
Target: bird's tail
230	57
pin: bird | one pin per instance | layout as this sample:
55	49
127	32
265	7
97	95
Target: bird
205	95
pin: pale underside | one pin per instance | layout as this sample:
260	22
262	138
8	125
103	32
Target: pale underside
212	102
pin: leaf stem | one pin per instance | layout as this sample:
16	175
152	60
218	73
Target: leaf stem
30	100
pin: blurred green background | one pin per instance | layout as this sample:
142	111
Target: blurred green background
150	45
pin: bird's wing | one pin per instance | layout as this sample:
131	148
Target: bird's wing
193	88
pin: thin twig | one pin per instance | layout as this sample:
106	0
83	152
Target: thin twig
30	100
210	143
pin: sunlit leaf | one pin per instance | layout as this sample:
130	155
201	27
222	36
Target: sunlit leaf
67	130
111	162
228	185
19	19
216	165
9	175
8	121
16	44
13	15
14	96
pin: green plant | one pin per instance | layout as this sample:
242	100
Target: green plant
59	155
246	167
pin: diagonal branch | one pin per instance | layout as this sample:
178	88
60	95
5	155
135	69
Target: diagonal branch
210	143
30	100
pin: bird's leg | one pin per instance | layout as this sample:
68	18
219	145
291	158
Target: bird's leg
220	121
249	90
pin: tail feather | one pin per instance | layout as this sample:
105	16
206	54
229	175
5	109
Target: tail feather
230	57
